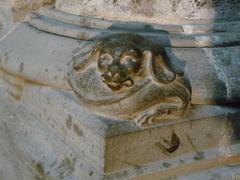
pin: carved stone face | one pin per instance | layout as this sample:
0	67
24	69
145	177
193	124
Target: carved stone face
119	66
128	76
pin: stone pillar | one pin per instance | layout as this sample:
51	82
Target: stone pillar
122	89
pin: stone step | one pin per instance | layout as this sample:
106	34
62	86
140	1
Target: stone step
222	173
221	168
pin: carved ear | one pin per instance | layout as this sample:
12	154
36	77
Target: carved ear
159	68
96	48
85	58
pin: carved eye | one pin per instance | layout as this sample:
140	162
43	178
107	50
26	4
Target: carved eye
129	62
104	61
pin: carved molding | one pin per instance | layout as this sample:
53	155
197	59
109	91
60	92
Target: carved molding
126	76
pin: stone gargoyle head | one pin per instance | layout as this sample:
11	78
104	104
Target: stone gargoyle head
127	76
122	59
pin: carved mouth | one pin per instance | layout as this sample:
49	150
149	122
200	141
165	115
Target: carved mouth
115	86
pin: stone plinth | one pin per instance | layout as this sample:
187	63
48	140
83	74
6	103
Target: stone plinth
106	149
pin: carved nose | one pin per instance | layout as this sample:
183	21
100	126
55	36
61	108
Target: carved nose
114	72
114	68
112	75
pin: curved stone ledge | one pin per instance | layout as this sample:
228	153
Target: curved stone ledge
91	22
199	35
37	56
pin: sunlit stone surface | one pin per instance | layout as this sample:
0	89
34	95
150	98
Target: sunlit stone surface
46	132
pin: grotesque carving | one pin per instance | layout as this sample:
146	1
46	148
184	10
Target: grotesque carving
126	76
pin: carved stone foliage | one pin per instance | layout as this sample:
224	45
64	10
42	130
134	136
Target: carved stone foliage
126	76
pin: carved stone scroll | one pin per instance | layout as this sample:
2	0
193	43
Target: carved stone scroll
126	76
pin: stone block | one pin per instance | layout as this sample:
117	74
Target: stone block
117	148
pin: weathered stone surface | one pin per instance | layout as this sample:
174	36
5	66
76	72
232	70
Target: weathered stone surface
127	76
21	156
157	11
12	11
12	162
48	61
30	4
6	17
71	137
